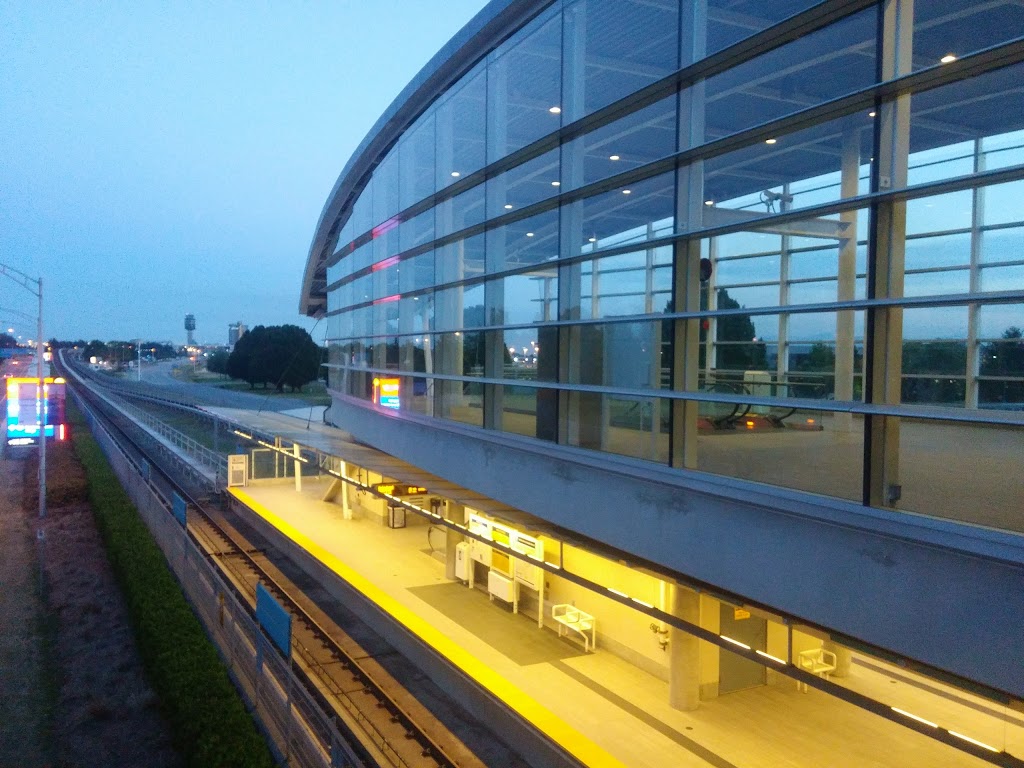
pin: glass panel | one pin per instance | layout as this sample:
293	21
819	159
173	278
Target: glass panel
461	401
463	210
811	70
636	140
459	307
937	283
385	189
637	427
386	242
939	213
417	313
1001	370
524	242
1002	278
626	355
943	29
636	212
524	83
759	269
529	297
729	21
385	281
526	184
416	231
792	171
362	258
416	157
941	251
416	273
621	46
1002	203
460	260
628	284
461	126
985	106
809	450
362	211
986	487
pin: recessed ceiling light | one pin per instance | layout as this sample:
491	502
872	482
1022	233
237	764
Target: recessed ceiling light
627	191
709	202
556	183
455	174
508	206
614	157
770	141
529	234
949	57
872	114
593	239
555	110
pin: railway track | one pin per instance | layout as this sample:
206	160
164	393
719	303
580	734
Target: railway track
388	726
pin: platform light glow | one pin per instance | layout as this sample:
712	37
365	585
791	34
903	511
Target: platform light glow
981	744
776	659
914	717
734	642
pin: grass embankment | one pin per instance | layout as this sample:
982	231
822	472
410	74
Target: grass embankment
208	719
313	393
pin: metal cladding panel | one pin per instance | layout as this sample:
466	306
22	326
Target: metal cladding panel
944	594
277	622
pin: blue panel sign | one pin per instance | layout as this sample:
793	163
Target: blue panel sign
178	509
274	619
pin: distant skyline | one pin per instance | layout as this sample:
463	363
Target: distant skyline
165	159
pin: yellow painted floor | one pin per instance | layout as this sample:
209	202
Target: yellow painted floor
617	711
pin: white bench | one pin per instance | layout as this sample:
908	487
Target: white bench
578	621
818	662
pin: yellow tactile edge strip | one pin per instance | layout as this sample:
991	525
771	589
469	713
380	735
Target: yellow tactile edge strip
539	716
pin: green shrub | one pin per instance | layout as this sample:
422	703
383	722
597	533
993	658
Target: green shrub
208	720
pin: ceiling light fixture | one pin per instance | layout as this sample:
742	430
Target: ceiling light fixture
556	183
555	110
709	202
872	114
529	234
614	157
627	191
770	141
508	206
455	174
947	59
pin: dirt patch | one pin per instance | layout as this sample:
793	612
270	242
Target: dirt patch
101	711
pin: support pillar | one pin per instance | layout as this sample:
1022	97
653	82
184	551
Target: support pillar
297	453
684	652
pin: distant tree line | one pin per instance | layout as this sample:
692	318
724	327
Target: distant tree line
276	355
121	353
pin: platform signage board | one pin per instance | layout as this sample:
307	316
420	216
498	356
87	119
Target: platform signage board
274	619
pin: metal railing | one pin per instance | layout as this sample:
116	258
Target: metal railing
301	733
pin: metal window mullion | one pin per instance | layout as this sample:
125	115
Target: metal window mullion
974	309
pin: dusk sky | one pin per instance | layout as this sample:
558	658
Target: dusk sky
165	158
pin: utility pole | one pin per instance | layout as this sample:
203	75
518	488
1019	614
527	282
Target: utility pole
35	286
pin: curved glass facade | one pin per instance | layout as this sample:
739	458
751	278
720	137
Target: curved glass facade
779	242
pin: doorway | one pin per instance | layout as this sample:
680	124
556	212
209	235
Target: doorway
736	673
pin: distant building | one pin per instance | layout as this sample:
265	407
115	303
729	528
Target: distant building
190	326
235	332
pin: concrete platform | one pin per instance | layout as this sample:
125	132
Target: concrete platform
602	708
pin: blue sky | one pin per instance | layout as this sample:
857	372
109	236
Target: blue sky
164	158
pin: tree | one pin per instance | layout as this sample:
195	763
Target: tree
280	355
7	341
1003	359
217	362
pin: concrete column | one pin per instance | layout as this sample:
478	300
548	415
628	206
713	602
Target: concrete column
684	653
297	452
886	268
844	658
346	508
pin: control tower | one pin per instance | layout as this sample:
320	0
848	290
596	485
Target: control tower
190	326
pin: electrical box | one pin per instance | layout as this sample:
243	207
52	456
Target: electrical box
462	561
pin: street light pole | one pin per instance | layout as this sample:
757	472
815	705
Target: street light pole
140	360
46	408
